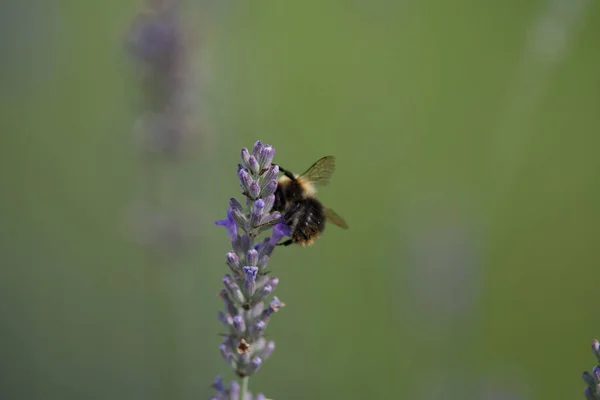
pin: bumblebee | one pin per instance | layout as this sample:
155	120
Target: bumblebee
302	212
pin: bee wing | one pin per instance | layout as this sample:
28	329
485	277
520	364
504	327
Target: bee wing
335	219
320	172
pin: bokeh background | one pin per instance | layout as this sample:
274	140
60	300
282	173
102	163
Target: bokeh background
467	141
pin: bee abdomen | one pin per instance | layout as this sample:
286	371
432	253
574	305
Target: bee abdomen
306	219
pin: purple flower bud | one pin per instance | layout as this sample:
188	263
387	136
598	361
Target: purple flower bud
233	259
265	156
252	257
225	318
218	384
233	288
239	325
269	201
245	179
269	188
237	212
259	328
269	349
596	373
257	212
266	315
589	379
234	204
589	395
256	148
234	392
231	308
253	165
259	205
228	282
245	156
254	190
271	174
263	262
262	293
261	396
254	365
257	310
273	282
250	279
234	262
225	351
596	349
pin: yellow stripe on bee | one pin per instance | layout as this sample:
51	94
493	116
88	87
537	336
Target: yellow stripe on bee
307	187
309	242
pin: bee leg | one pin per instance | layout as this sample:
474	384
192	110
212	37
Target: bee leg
286	243
286	172
269	223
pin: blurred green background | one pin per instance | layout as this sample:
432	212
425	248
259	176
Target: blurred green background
467	141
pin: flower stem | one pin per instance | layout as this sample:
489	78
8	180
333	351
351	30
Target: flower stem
244	387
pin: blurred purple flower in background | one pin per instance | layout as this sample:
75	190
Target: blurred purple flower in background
441	273
161	46
158	44
233	392
169	230
507	389
444	262
457	385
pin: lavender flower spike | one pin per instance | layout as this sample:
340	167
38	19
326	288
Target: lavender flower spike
245	292
592	380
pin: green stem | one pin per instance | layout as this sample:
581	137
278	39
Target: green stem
244	388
